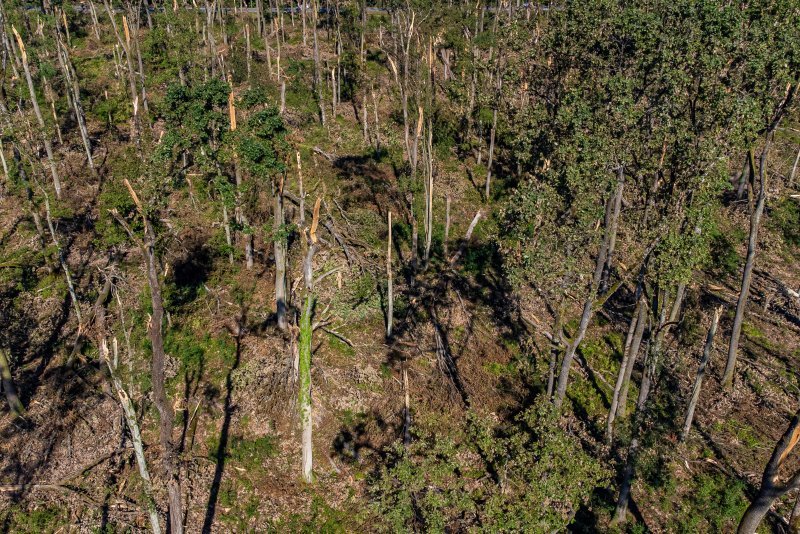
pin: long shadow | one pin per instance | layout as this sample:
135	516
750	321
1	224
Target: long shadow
219	470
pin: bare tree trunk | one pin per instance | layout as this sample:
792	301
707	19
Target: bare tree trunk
771	488
610	228
8	385
428	195
406	408
627	362
49	98
612	244
790	181
317	69
306	333
446	225
652	355
136	436
701	370
74	96
752	244
125	46
491	154
63	261
636	343
389	287
248	51
48	146
170	465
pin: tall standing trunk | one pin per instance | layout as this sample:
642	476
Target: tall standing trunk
633	354
74	97
613	242
48	146
63	261
389	285
428	195
317	69
446	240
306	334
653	353
627	359
701	370
610	225
752	244
491	155
125	45
169	458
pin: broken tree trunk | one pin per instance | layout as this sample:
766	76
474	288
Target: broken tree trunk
48	146
771	488
136	436
279	248
170	465
306	333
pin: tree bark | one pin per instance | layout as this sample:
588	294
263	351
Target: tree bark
491	155
698	381
74	96
586	316
389	286
169	461
136	436
626	362
771	489
8	385
306	333
752	244
48	146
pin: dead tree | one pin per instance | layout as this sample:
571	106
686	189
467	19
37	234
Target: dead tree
306	333
133	426
170	463
279	248
389	285
701	370
48	146
771	486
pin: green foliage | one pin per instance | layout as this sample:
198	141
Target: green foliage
322	518
784	217
201	356
716	505
261	143
39	520
508	477
246	453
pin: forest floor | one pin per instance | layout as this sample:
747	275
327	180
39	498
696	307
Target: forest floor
68	460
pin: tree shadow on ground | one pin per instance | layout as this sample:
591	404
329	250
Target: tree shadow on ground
220	453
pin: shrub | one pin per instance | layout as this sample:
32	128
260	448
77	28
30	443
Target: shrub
527	476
